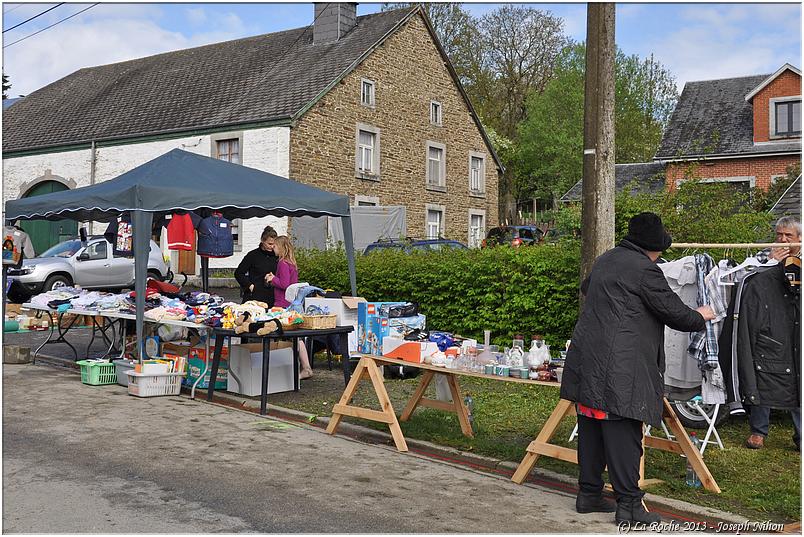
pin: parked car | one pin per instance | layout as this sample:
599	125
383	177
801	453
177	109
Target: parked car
92	266
512	236
412	245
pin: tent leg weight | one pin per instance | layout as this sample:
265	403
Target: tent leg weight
16	354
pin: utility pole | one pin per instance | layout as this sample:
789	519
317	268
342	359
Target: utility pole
597	210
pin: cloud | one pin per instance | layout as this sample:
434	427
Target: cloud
722	41
196	16
47	56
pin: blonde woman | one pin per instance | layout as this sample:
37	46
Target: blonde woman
286	275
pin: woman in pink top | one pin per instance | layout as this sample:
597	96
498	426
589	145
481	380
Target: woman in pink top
286	275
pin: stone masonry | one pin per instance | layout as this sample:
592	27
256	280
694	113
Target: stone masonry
408	73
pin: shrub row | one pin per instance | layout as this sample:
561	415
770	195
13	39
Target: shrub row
505	290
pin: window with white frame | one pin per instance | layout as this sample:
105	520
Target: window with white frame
477	228
436	165
229	150
367	152
366	92
477	173
435	223
435	113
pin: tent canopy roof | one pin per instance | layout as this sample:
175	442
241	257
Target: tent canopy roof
180	180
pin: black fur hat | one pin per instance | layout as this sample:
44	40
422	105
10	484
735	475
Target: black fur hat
647	231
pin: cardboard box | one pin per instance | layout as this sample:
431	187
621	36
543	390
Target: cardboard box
245	368
346	310
409	351
369	331
196	361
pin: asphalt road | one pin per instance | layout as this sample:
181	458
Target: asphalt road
88	459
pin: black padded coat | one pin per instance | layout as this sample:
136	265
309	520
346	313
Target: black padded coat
769	341
616	359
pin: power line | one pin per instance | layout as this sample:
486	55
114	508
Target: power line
32	18
51	26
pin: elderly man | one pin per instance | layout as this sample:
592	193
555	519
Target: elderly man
615	365
788	230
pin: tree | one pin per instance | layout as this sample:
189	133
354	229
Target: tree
550	158
6	86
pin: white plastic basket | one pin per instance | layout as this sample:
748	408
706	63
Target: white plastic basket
153	385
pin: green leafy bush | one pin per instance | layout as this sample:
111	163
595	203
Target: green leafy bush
505	290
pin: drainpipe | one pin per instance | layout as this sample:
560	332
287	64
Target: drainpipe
92	158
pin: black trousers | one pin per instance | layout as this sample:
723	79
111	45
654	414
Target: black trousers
613	443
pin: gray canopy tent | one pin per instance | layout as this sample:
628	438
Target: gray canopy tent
180	180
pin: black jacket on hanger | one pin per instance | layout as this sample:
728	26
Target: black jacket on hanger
769	341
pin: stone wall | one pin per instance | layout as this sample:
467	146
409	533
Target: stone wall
408	73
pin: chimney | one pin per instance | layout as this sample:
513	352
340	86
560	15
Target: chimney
333	21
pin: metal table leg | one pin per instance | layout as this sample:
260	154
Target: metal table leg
62	331
295	343
347	374
266	363
216	361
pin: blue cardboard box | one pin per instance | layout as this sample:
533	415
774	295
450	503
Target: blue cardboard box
367	338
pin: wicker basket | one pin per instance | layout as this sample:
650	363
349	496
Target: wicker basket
319	322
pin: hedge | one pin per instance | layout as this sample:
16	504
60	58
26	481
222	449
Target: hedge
506	290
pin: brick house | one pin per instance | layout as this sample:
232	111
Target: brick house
367	106
743	130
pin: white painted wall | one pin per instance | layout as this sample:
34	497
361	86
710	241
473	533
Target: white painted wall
265	149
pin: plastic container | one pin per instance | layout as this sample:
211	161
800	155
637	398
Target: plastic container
97	373
121	366
11	326
148	385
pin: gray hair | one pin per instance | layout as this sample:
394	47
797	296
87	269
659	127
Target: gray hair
789	222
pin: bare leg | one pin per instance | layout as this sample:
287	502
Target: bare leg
306	371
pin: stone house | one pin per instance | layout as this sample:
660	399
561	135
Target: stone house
744	130
367	106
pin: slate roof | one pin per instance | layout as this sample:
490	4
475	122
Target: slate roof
790	201
255	79
712	118
649	177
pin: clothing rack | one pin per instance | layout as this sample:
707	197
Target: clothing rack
754	245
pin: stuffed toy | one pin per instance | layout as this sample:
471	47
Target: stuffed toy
261	328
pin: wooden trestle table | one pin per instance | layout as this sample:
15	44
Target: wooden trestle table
368	369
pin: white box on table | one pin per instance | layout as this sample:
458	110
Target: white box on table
346	310
245	368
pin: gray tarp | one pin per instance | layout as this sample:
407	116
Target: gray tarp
180	180
370	224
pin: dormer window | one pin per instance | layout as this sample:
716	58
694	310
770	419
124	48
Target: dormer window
787	118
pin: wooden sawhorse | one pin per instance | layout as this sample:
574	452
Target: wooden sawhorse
682	445
367	369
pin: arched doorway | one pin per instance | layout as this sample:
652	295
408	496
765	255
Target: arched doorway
44	233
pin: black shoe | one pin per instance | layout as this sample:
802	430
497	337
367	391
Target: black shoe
594	503
634	510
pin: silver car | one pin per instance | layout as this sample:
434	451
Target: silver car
91	266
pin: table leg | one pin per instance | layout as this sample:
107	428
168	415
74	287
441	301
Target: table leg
295	341
212	378
386	415
417	395
216	362
308	346
266	362
49	336
460	408
693	455
541	445
344	348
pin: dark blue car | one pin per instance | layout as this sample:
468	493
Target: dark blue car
413	245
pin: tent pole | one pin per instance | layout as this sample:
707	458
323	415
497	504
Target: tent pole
141	221
348	242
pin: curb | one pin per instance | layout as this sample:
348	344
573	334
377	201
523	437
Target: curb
677	509
539	476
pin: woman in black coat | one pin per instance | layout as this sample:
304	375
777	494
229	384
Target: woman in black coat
252	272
615	364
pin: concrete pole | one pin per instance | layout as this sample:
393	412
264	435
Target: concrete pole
597	211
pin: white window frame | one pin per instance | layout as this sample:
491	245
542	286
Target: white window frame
772	117
439	113
366	201
750	179
374	174
214	139
428	208
478	239
775	177
481	191
370	102
441	185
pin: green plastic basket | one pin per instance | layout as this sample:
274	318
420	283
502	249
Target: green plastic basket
97	373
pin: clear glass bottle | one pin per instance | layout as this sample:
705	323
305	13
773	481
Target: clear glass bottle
692	478
519	341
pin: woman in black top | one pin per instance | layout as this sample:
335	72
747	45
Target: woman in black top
252	272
